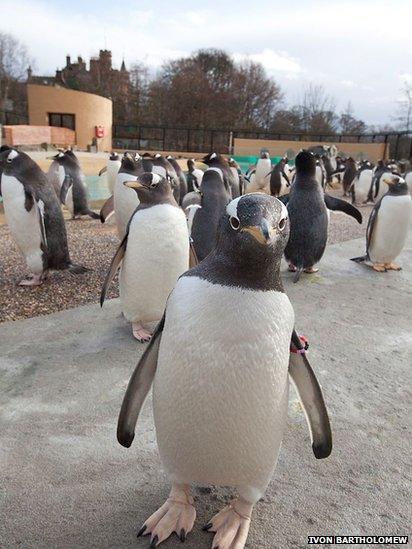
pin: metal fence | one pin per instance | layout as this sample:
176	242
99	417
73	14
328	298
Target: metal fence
221	140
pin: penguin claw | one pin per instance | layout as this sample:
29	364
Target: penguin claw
154	541
141	531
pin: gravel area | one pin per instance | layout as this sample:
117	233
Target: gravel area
93	245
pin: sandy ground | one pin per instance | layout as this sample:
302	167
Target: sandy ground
93	245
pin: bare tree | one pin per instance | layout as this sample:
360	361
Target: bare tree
404	116
349	124
317	110
14	62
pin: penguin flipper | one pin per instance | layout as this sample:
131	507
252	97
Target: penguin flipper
333	203
102	171
311	397
115	264
107	209
138	387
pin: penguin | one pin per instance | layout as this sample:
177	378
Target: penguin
73	189
163	167
261	176
181	176
329	165
214	198
308	209
154	253
228	328
111	170
218	162
349	175
238	175
320	172
34	217
194	176
125	199
279	181
388	226
56	174
361	185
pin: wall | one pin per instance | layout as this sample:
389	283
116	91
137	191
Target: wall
36	135
90	110
252	147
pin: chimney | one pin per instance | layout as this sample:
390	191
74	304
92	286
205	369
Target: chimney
68	60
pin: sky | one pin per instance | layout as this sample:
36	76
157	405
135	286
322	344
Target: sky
360	51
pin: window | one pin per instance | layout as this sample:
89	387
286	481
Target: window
62	120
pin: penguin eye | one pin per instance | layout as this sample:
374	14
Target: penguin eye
153	184
9	159
282	224
234	223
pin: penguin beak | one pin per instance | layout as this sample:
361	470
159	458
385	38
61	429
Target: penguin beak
262	233
133	184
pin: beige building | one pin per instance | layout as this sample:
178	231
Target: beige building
90	116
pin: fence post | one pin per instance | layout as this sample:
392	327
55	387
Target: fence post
397	146
188	141
231	143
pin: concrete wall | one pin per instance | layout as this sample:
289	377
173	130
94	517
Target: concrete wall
90	110
36	135
252	147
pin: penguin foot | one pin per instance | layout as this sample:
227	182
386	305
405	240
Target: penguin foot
231	525
140	333
379	267
32	280
292	268
177	515
392	267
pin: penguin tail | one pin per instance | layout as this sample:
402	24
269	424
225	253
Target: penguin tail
297	275
93	214
359	259
77	269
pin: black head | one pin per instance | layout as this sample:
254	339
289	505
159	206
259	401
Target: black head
305	163
251	238
152	189
214	158
9	158
254	225
264	154
130	162
114	156
4	148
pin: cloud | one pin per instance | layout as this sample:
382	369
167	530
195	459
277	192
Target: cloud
273	61
348	83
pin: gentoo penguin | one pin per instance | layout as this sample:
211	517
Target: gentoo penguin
320	173
56	174
219	163
34	216
349	175
238	175
279	181
261	177
388	226
164	168
153	253
125	199
214	198
309	218
194	176
228	326
111	170
73	189
181	176
361	186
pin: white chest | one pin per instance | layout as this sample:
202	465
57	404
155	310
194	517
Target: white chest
125	201
391	228
24	225
221	383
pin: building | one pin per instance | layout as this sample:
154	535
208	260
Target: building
100	78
